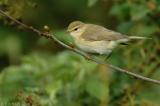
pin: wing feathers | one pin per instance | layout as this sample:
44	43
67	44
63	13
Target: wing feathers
98	33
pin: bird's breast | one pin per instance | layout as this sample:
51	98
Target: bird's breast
100	47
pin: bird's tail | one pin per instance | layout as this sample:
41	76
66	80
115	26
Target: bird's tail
131	39
138	38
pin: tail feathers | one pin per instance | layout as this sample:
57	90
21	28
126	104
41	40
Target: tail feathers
130	39
138	38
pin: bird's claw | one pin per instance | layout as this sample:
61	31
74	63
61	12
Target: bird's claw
108	56
72	46
88	56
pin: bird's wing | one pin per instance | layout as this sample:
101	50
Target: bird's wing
99	33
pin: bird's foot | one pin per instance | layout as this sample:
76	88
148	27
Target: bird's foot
108	56
72	46
88	56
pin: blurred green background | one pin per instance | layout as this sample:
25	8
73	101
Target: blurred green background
35	71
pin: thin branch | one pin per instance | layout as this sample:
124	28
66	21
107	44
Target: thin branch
94	59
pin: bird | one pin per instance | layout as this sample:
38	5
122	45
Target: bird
96	39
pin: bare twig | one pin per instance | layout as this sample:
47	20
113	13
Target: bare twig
94	59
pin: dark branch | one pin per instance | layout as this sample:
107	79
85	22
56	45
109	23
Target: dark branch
94	59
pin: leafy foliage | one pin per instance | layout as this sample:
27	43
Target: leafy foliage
91	2
51	78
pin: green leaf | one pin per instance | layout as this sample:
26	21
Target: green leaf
125	26
53	88
63	36
91	2
97	89
138	12
142	29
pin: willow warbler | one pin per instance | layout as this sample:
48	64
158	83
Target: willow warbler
93	38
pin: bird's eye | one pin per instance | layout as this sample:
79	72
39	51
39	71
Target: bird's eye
76	29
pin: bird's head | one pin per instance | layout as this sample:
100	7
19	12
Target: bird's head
76	28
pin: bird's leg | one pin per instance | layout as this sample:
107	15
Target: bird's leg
72	46
108	56
88	56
